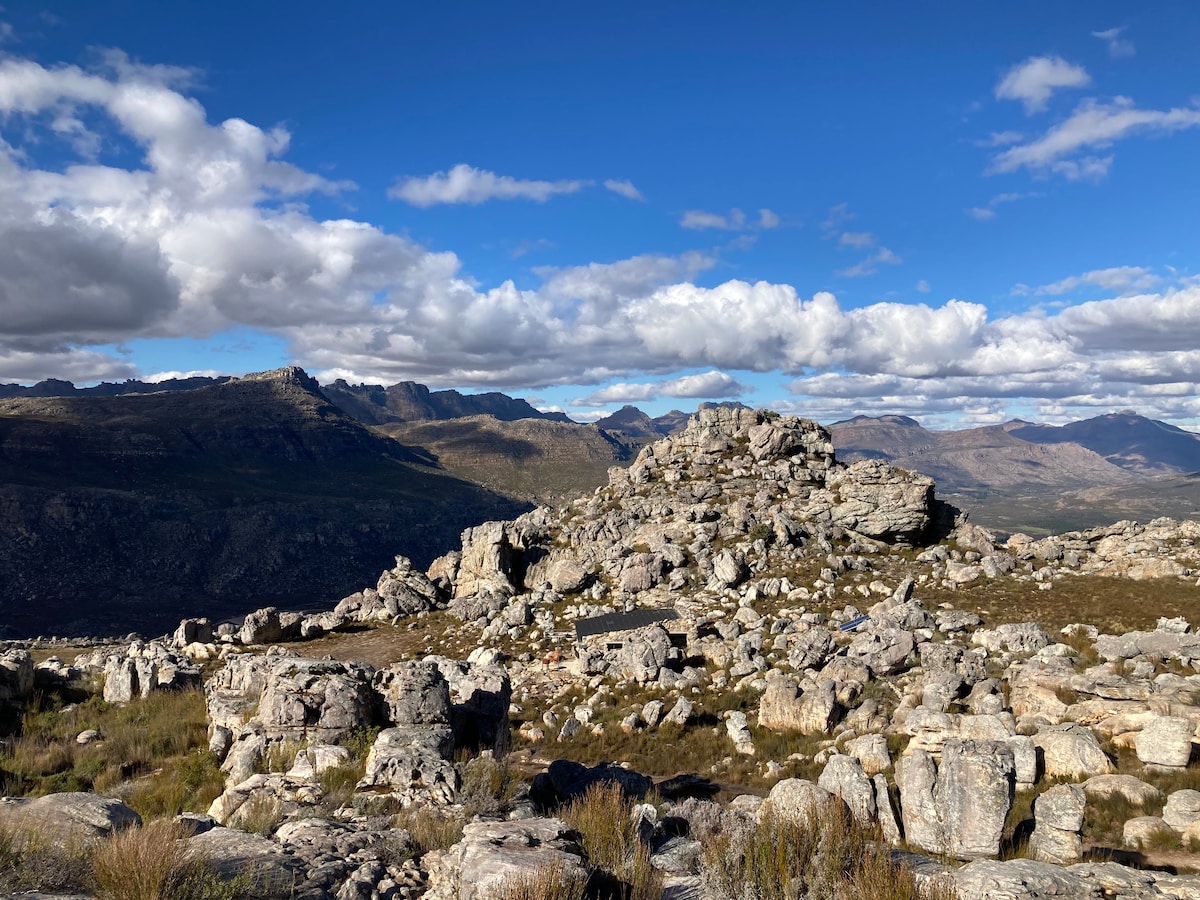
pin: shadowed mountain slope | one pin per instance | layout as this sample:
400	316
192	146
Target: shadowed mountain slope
140	509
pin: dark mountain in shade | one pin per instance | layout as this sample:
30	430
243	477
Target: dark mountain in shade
144	508
55	387
1125	439
409	402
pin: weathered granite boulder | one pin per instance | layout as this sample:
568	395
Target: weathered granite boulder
143	668
797	799
412	764
16	676
263	797
269	626
843	776
783	707
492	852
1141	831
958	807
643	654
1072	751
315	699
885	651
1133	790
1058	822
486	563
192	631
1182	809
235	854
1166	741
882	502
68	817
414	693
479	699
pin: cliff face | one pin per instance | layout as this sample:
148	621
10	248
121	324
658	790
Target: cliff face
130	511
412	402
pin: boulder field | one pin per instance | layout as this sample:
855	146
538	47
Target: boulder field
790	596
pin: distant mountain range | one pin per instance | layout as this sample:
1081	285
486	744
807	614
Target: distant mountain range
1042	477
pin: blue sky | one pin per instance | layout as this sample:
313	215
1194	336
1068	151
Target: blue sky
961	212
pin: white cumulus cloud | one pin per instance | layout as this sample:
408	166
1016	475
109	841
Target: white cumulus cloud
467	184
1033	81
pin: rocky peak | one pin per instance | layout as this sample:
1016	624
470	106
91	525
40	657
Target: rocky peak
287	375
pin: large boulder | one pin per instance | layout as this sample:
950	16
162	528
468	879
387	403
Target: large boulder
16	677
479	698
1166	741
784	707
290	697
411	763
414	693
491	853
1058	821
144	668
486	563
71	817
643	654
1072	751
881	501
844	777
957	808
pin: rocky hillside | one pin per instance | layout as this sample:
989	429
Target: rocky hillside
737	606
119	512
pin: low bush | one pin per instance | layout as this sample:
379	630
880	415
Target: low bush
822	858
31	860
429	828
153	862
605	821
555	882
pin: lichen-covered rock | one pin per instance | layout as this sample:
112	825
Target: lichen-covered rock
958	807
414	693
491	852
411	763
643	654
479	699
784	707
144	668
486	563
1058	821
16	676
843	776
1072	751
71	817
1166	741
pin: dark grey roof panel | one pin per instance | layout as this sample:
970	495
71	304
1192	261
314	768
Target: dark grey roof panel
622	621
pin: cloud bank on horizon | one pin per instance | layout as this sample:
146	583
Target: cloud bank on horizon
130	215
